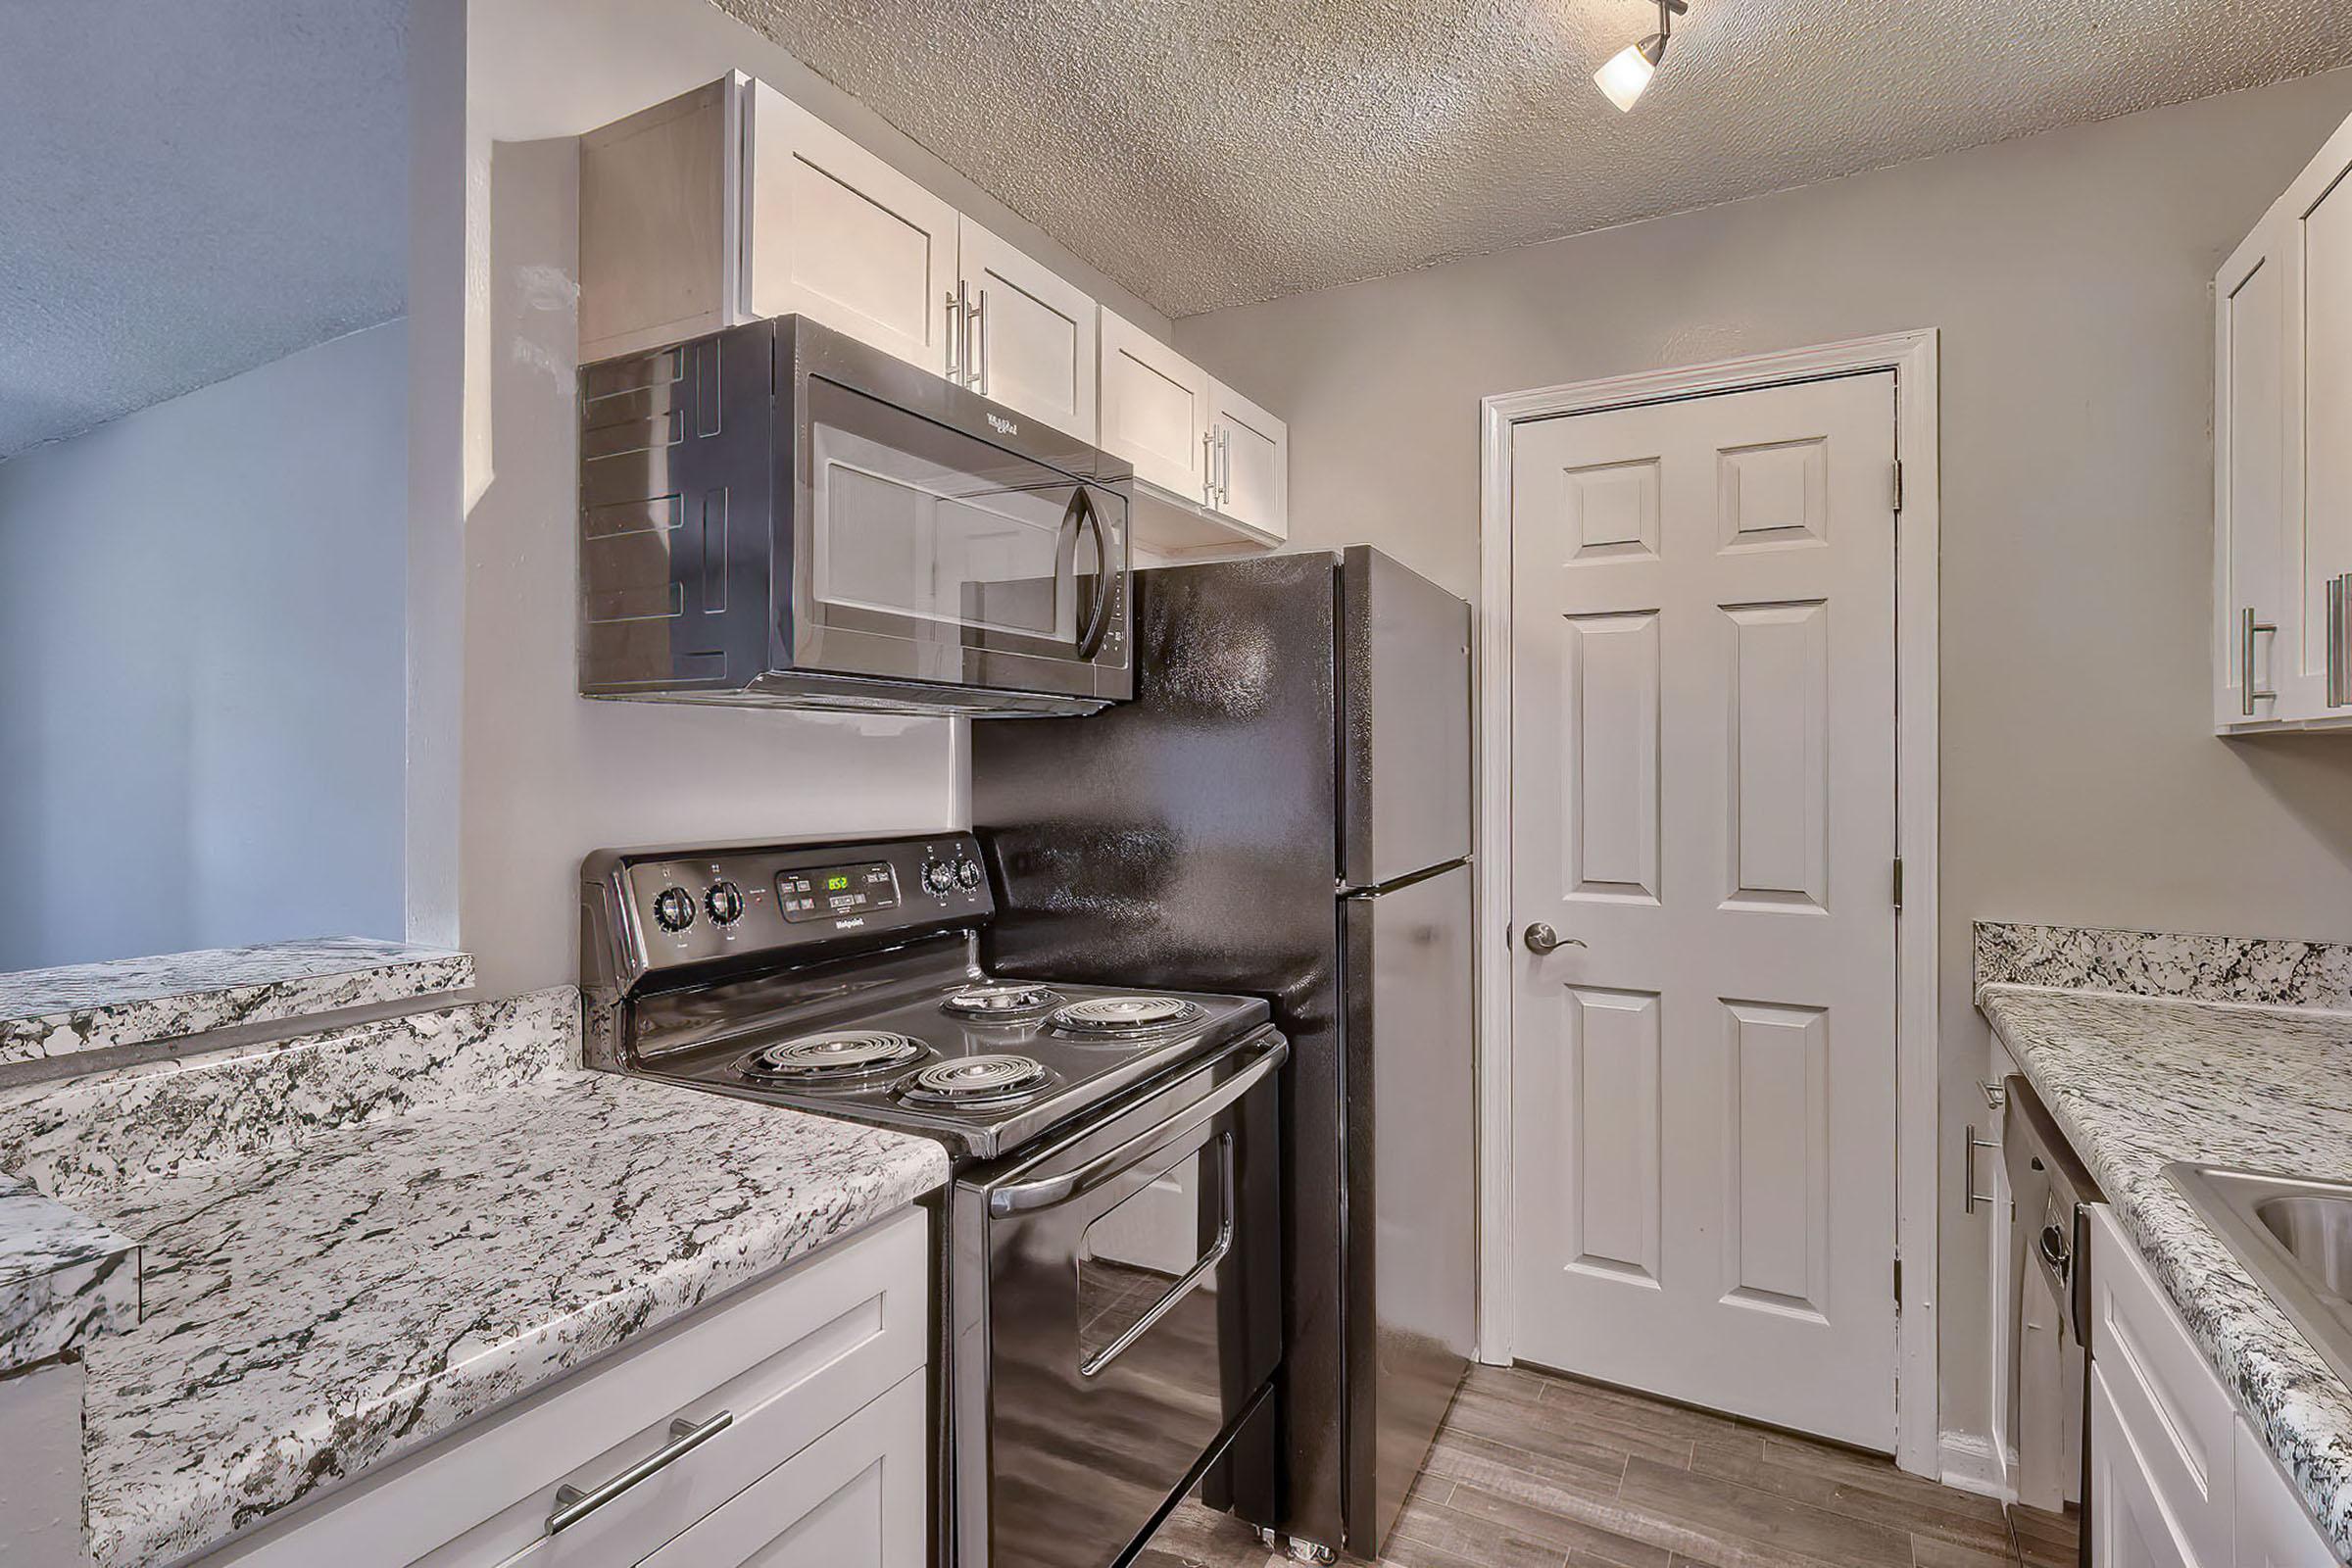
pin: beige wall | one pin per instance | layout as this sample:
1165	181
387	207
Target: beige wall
2068	275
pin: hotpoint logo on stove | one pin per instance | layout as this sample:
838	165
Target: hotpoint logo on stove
1002	425
850	924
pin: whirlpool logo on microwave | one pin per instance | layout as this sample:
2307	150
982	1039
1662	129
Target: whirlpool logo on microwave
1002	425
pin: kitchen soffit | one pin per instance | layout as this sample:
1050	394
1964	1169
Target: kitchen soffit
1211	154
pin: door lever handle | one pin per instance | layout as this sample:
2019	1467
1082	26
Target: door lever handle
1542	939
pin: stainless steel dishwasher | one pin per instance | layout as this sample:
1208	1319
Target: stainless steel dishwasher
2049	1235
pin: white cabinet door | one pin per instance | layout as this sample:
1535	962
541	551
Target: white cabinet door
2128	1527
1030	344
1252	463
853	1498
1155	409
659	215
837	234
2313	229
2253	609
2272	1530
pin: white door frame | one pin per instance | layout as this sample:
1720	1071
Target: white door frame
1911	356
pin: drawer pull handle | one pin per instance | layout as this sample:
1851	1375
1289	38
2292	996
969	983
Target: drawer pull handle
573	1505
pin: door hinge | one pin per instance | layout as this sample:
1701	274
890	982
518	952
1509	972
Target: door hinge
1898	882
1899	1279
1898	484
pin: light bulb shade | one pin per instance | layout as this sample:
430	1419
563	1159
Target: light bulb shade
1628	71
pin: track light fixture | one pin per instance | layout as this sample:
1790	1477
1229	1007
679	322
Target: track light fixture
1630	69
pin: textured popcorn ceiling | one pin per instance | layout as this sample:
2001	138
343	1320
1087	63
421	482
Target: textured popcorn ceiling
1209	153
189	190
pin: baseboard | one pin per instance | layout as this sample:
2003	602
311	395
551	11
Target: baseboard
1968	1464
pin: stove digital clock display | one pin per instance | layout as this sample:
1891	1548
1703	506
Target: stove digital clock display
827	892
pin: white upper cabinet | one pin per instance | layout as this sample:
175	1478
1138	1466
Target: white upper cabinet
1217	465
1155	409
2250	429
837	234
2282	474
732	204
1028	334
1251	453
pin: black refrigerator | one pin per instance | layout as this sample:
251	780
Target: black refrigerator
1284	809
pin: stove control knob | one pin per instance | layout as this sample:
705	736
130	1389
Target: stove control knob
967	873
724	901
940	877
674	908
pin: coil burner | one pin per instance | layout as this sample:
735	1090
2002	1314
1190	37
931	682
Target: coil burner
1123	1017
1002	1003
849	1055
974	1081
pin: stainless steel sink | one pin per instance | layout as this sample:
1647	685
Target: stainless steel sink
2295	1236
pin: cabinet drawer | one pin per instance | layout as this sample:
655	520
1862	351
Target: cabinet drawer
788	1359
2169	1401
853	1498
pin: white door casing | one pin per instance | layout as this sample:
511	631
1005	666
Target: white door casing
1703	790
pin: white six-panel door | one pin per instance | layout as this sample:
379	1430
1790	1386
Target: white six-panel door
1704	756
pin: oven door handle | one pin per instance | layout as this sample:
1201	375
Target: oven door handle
1093	1364
1026	1198
1081	514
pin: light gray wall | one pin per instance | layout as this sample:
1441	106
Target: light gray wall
548	774
201	645
2069	273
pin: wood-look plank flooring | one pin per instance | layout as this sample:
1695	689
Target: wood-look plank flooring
1537	1471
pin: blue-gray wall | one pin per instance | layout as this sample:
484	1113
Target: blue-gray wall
202	666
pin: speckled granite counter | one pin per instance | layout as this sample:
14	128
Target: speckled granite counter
356	1243
129	1001
2136	1082
64	1278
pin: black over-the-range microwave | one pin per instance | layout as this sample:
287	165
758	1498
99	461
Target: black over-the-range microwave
779	514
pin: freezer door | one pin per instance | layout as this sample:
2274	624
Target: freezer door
1412	1201
1405	732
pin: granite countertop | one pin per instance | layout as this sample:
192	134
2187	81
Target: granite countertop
2136	1082
64	1278
354	1244
126	1002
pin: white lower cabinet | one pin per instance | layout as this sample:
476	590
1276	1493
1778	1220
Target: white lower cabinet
853	1501
2178	1479
2272	1530
782	1425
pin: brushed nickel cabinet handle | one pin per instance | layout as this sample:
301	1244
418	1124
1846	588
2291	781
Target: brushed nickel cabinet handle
2247	696
573	1505
1209	467
955	335
2336	642
979	318
1968	1180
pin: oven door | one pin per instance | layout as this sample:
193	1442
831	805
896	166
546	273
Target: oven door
923	552
1117	1309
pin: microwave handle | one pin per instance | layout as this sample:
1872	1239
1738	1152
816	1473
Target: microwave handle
1082	514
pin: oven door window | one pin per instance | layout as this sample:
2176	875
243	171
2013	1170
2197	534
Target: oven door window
1139	1261
923	531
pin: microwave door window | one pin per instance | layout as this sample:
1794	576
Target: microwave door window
942	550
